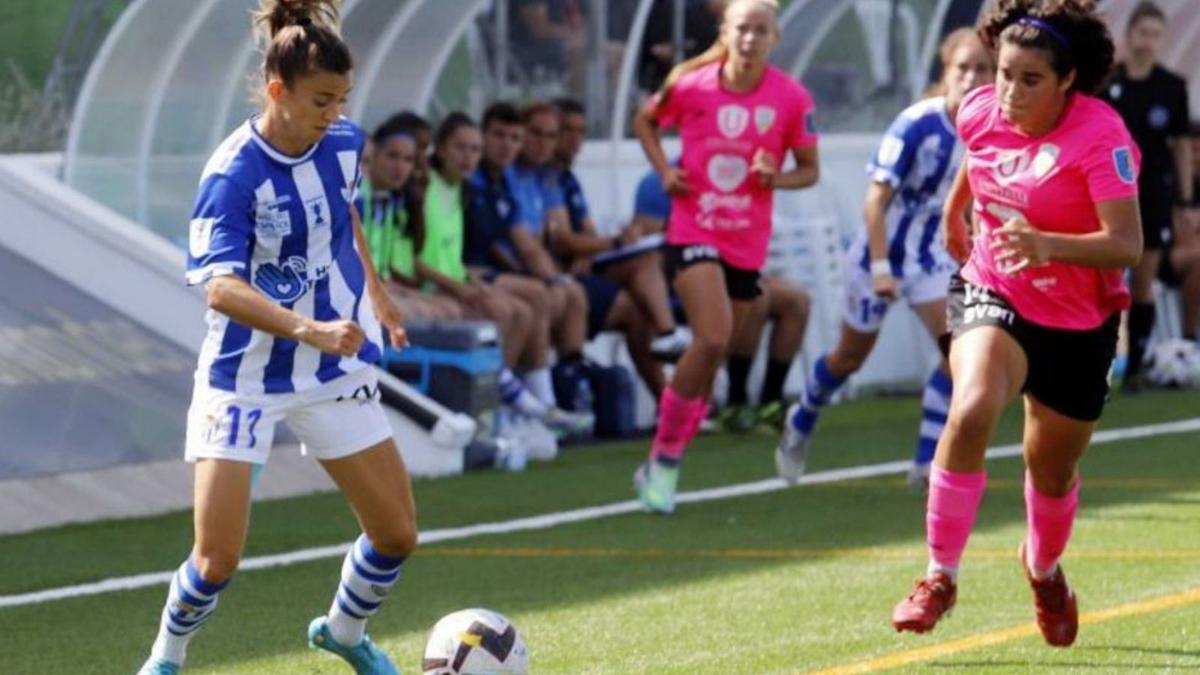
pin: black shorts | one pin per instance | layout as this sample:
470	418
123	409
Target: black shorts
740	284
601	294
1155	209
1068	369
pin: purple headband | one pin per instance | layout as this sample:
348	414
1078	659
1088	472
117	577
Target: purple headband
1047	29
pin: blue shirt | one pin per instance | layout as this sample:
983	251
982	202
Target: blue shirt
573	199
491	214
283	224
651	200
536	192
918	157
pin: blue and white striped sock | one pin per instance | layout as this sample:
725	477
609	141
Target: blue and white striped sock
935	404
190	602
818	389
367	576
514	394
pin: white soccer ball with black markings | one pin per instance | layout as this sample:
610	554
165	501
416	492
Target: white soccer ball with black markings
1174	363
475	642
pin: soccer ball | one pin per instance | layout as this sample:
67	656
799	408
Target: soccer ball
475	642
1174	363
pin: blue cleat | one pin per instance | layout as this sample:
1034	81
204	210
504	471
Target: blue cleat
365	657
159	667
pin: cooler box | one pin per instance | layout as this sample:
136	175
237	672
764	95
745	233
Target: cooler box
456	363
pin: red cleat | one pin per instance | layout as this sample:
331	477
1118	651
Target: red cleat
931	598
1057	610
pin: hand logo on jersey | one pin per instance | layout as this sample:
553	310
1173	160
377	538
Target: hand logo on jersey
284	284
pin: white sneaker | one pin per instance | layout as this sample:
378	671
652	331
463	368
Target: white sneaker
511	454
568	423
540	443
792	450
671	346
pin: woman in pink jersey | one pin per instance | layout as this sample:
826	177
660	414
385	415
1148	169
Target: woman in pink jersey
738	118
1053	175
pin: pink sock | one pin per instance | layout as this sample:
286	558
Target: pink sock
677	424
699	414
1050	520
950	514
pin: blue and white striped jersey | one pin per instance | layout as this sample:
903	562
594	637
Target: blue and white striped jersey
918	157
283	224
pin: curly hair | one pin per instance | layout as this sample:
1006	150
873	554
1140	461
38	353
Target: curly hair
1076	37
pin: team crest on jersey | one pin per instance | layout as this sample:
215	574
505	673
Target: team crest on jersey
1158	117
727	172
1010	165
317	210
732	120
1123	162
1045	160
764	118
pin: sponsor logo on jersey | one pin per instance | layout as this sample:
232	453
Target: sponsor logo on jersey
732	120
289	281
727	172
711	201
271	219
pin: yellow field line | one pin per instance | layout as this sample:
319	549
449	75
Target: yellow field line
989	638
784	554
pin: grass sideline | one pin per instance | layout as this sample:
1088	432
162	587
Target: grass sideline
782	582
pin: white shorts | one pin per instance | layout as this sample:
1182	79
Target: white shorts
864	311
336	419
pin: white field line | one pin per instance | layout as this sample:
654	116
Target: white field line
549	520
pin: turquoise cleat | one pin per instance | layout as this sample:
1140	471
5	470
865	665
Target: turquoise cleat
365	657
159	667
655	484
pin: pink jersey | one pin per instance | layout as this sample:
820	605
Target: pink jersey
1054	181
721	131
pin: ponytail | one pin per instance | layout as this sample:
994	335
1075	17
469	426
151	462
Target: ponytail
301	37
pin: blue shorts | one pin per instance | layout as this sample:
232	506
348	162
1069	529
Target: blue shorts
601	294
